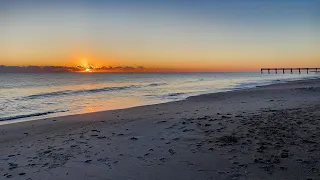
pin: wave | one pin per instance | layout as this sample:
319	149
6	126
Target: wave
84	91
248	85
30	115
192	81
157	84
73	92
258	83
175	94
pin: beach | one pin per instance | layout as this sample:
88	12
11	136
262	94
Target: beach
267	132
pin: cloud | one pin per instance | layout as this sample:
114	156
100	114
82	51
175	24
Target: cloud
37	69
120	68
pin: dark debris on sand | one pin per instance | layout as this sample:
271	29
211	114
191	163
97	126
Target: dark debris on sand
270	140
228	139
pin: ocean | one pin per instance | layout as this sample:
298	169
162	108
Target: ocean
30	96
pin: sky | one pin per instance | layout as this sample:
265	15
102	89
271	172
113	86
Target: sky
167	35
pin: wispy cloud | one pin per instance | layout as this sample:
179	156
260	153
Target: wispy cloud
120	68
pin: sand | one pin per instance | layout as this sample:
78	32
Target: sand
270	132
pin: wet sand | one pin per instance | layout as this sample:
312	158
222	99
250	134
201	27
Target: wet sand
270	132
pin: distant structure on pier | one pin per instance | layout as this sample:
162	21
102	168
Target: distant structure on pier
291	70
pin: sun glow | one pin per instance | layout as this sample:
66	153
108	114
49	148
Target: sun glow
84	62
87	67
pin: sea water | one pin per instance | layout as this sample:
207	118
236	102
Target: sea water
29	96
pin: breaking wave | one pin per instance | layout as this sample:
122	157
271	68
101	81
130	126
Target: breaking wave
30	115
75	92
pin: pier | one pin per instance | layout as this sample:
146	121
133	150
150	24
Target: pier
291	70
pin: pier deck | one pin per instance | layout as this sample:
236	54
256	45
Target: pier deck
291	70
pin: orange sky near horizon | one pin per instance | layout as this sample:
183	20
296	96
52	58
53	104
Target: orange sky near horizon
205	62
192	66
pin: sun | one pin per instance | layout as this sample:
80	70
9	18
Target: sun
88	70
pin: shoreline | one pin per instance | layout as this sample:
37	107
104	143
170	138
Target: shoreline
269	132
37	118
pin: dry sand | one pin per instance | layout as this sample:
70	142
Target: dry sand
270	132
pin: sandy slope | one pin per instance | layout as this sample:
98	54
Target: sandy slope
270	132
